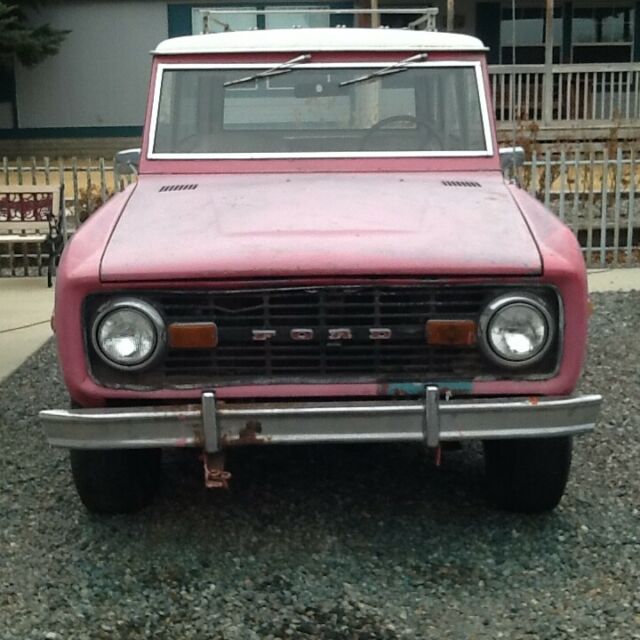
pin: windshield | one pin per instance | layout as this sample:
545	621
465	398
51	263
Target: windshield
319	111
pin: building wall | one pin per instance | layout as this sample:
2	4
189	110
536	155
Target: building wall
97	84
100	77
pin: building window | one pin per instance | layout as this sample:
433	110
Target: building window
215	20
529	35
243	18
294	19
602	34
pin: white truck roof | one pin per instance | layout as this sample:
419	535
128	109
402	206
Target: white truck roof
319	40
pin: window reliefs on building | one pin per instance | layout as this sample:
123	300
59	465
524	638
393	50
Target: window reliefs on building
603	33
488	28
179	20
606	32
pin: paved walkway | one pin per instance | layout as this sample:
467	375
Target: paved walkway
25	312
614	280
26	305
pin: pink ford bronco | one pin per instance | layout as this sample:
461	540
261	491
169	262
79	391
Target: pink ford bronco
320	248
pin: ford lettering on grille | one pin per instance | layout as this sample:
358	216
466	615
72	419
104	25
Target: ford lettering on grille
305	334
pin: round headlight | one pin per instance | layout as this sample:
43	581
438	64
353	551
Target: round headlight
516	330
128	334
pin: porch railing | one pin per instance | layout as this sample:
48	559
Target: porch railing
576	95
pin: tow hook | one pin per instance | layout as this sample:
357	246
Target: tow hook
215	476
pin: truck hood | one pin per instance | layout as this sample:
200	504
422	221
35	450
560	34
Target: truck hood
224	226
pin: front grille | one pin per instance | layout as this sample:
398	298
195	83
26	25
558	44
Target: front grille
238	358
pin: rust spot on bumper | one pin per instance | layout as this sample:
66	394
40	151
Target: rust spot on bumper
249	434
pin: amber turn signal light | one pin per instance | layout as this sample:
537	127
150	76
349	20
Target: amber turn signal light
451	332
193	335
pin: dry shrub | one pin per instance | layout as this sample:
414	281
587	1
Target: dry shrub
89	199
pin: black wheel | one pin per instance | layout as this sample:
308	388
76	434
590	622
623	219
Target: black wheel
116	481
529	475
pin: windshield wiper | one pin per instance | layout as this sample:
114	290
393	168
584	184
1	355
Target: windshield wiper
396	67
279	69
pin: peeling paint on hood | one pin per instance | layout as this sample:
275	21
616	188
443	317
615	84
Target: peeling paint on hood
293	225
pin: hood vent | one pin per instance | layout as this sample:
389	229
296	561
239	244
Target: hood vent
178	187
460	183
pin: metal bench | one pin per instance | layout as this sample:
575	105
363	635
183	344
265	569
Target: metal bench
33	214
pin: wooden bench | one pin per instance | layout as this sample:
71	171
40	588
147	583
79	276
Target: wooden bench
33	215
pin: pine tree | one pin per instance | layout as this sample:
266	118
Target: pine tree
21	40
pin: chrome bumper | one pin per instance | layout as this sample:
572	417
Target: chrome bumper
215	426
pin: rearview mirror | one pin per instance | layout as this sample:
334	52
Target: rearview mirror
127	161
511	157
320	89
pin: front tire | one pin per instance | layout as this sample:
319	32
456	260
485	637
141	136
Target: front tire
528	475
115	481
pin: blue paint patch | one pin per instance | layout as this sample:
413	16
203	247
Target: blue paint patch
463	386
404	389
417	388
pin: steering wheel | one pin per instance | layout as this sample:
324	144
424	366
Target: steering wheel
420	124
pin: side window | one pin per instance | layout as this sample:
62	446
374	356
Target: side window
184	110
450	102
469	125
165	113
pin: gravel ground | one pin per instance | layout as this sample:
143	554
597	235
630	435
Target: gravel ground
331	543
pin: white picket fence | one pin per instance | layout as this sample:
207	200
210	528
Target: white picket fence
576	94
593	190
